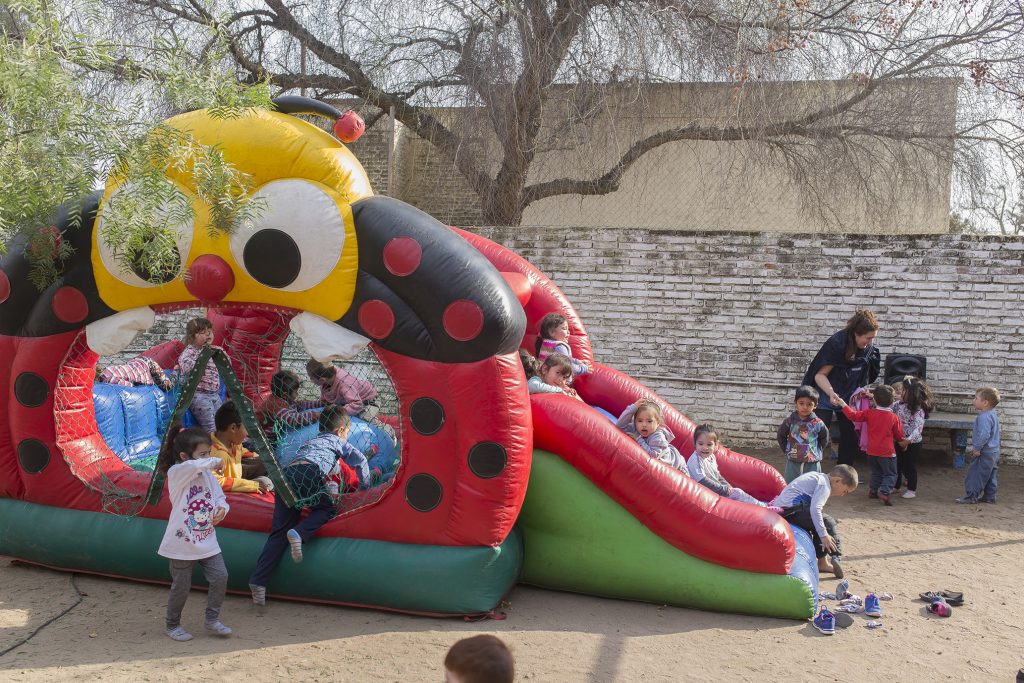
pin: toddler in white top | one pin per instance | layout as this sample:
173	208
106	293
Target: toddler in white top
703	467
198	504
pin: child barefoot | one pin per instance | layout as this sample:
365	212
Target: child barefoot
197	505
553	377
803	436
802	502
645	422
703	467
913	405
554	338
206	400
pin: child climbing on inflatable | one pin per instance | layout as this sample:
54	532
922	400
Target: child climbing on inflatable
317	460
553	337
197	506
243	472
340	388
703	467
281	410
913	405
645	422
206	400
550	377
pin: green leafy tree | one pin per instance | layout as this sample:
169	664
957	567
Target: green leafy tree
64	131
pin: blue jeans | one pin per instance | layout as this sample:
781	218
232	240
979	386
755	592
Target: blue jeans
981	481
883	474
307	481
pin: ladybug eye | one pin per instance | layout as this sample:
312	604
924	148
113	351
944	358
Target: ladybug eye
135	273
296	239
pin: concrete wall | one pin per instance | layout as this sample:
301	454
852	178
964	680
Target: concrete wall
700	185
724	325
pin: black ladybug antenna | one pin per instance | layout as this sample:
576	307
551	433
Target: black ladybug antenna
294	104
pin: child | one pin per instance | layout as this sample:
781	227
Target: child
553	377
227	445
913	405
703	467
803	436
315	462
340	388
883	429
479	659
197	505
281	411
645	422
554	338
206	400
980	484
802	503
140	370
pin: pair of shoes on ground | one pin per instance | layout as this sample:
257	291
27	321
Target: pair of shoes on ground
216	628
954	598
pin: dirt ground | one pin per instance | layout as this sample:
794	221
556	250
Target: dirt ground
116	631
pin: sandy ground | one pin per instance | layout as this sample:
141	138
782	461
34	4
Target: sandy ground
115	632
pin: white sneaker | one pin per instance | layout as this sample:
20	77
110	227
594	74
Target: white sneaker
295	541
179	634
909	494
218	629
259	594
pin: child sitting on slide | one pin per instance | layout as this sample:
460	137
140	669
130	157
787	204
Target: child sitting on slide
551	377
281	411
644	422
703	467
243	471
553	337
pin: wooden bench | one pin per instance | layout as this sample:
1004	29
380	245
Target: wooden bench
958	424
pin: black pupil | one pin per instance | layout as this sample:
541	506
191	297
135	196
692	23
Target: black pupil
161	277
272	258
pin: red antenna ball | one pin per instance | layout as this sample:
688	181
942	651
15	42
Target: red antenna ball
349	127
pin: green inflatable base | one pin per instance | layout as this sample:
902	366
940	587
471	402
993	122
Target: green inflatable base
578	539
423	579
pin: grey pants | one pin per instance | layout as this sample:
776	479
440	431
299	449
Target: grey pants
204	406
181	583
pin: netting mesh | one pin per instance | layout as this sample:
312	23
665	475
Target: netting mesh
112	413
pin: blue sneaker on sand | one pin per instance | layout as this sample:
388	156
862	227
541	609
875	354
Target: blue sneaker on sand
825	622
872	607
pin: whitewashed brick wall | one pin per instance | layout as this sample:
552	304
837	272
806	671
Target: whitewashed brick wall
723	325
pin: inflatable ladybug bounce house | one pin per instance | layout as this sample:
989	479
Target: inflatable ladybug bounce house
492	486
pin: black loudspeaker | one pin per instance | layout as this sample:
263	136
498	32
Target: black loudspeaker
901	364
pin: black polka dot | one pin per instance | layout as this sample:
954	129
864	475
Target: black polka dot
487	459
31	390
423	492
427	416
272	258
33	455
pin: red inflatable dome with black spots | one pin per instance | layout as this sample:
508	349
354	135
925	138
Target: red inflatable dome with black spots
482	465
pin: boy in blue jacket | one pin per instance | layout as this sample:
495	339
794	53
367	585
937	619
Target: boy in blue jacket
980	483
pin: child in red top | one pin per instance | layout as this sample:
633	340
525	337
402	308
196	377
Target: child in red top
884	429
